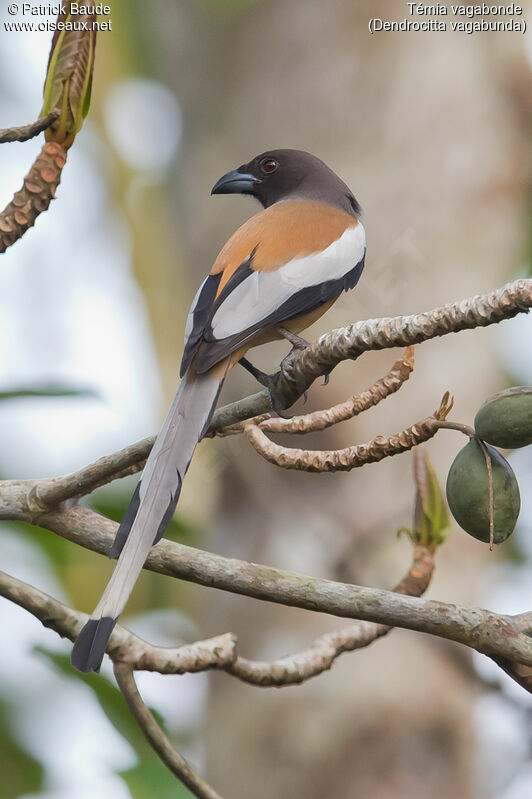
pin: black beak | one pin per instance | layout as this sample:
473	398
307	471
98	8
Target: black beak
235	182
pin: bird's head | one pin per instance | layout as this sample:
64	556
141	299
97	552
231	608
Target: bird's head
287	174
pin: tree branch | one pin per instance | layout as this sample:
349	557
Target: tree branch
50	503
156	737
26	132
37	192
487	632
358	403
310	460
51	492
219	652
320	656
305	366
348	343
123	645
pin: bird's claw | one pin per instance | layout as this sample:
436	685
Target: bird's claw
276	404
269	382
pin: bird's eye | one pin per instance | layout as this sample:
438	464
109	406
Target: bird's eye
268	165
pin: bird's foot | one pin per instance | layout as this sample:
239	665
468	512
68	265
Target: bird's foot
269	382
297	342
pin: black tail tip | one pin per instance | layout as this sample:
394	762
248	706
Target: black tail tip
91	643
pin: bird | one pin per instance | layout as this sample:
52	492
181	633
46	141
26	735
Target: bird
276	275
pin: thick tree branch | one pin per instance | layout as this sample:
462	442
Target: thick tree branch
219	652
51	503
348	343
487	632
321	420
305	365
123	646
37	192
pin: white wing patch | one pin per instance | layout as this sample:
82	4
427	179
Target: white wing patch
263	292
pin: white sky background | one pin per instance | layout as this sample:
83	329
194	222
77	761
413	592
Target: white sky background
71	313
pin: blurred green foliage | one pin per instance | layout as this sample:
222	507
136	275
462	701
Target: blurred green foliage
46	391
113	505
83	573
20	773
149	778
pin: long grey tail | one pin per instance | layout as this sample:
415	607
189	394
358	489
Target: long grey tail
150	509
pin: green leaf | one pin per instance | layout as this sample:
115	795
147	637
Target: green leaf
431	519
147	780
20	773
56	548
47	391
69	77
110	698
87	101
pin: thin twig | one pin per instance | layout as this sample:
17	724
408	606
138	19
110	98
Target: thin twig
458	426
491	509
47	493
26	132
320	656
309	460
172	759
321	420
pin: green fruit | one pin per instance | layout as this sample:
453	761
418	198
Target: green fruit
505	420
468	493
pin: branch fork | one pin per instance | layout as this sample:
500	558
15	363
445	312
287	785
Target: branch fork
52	504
